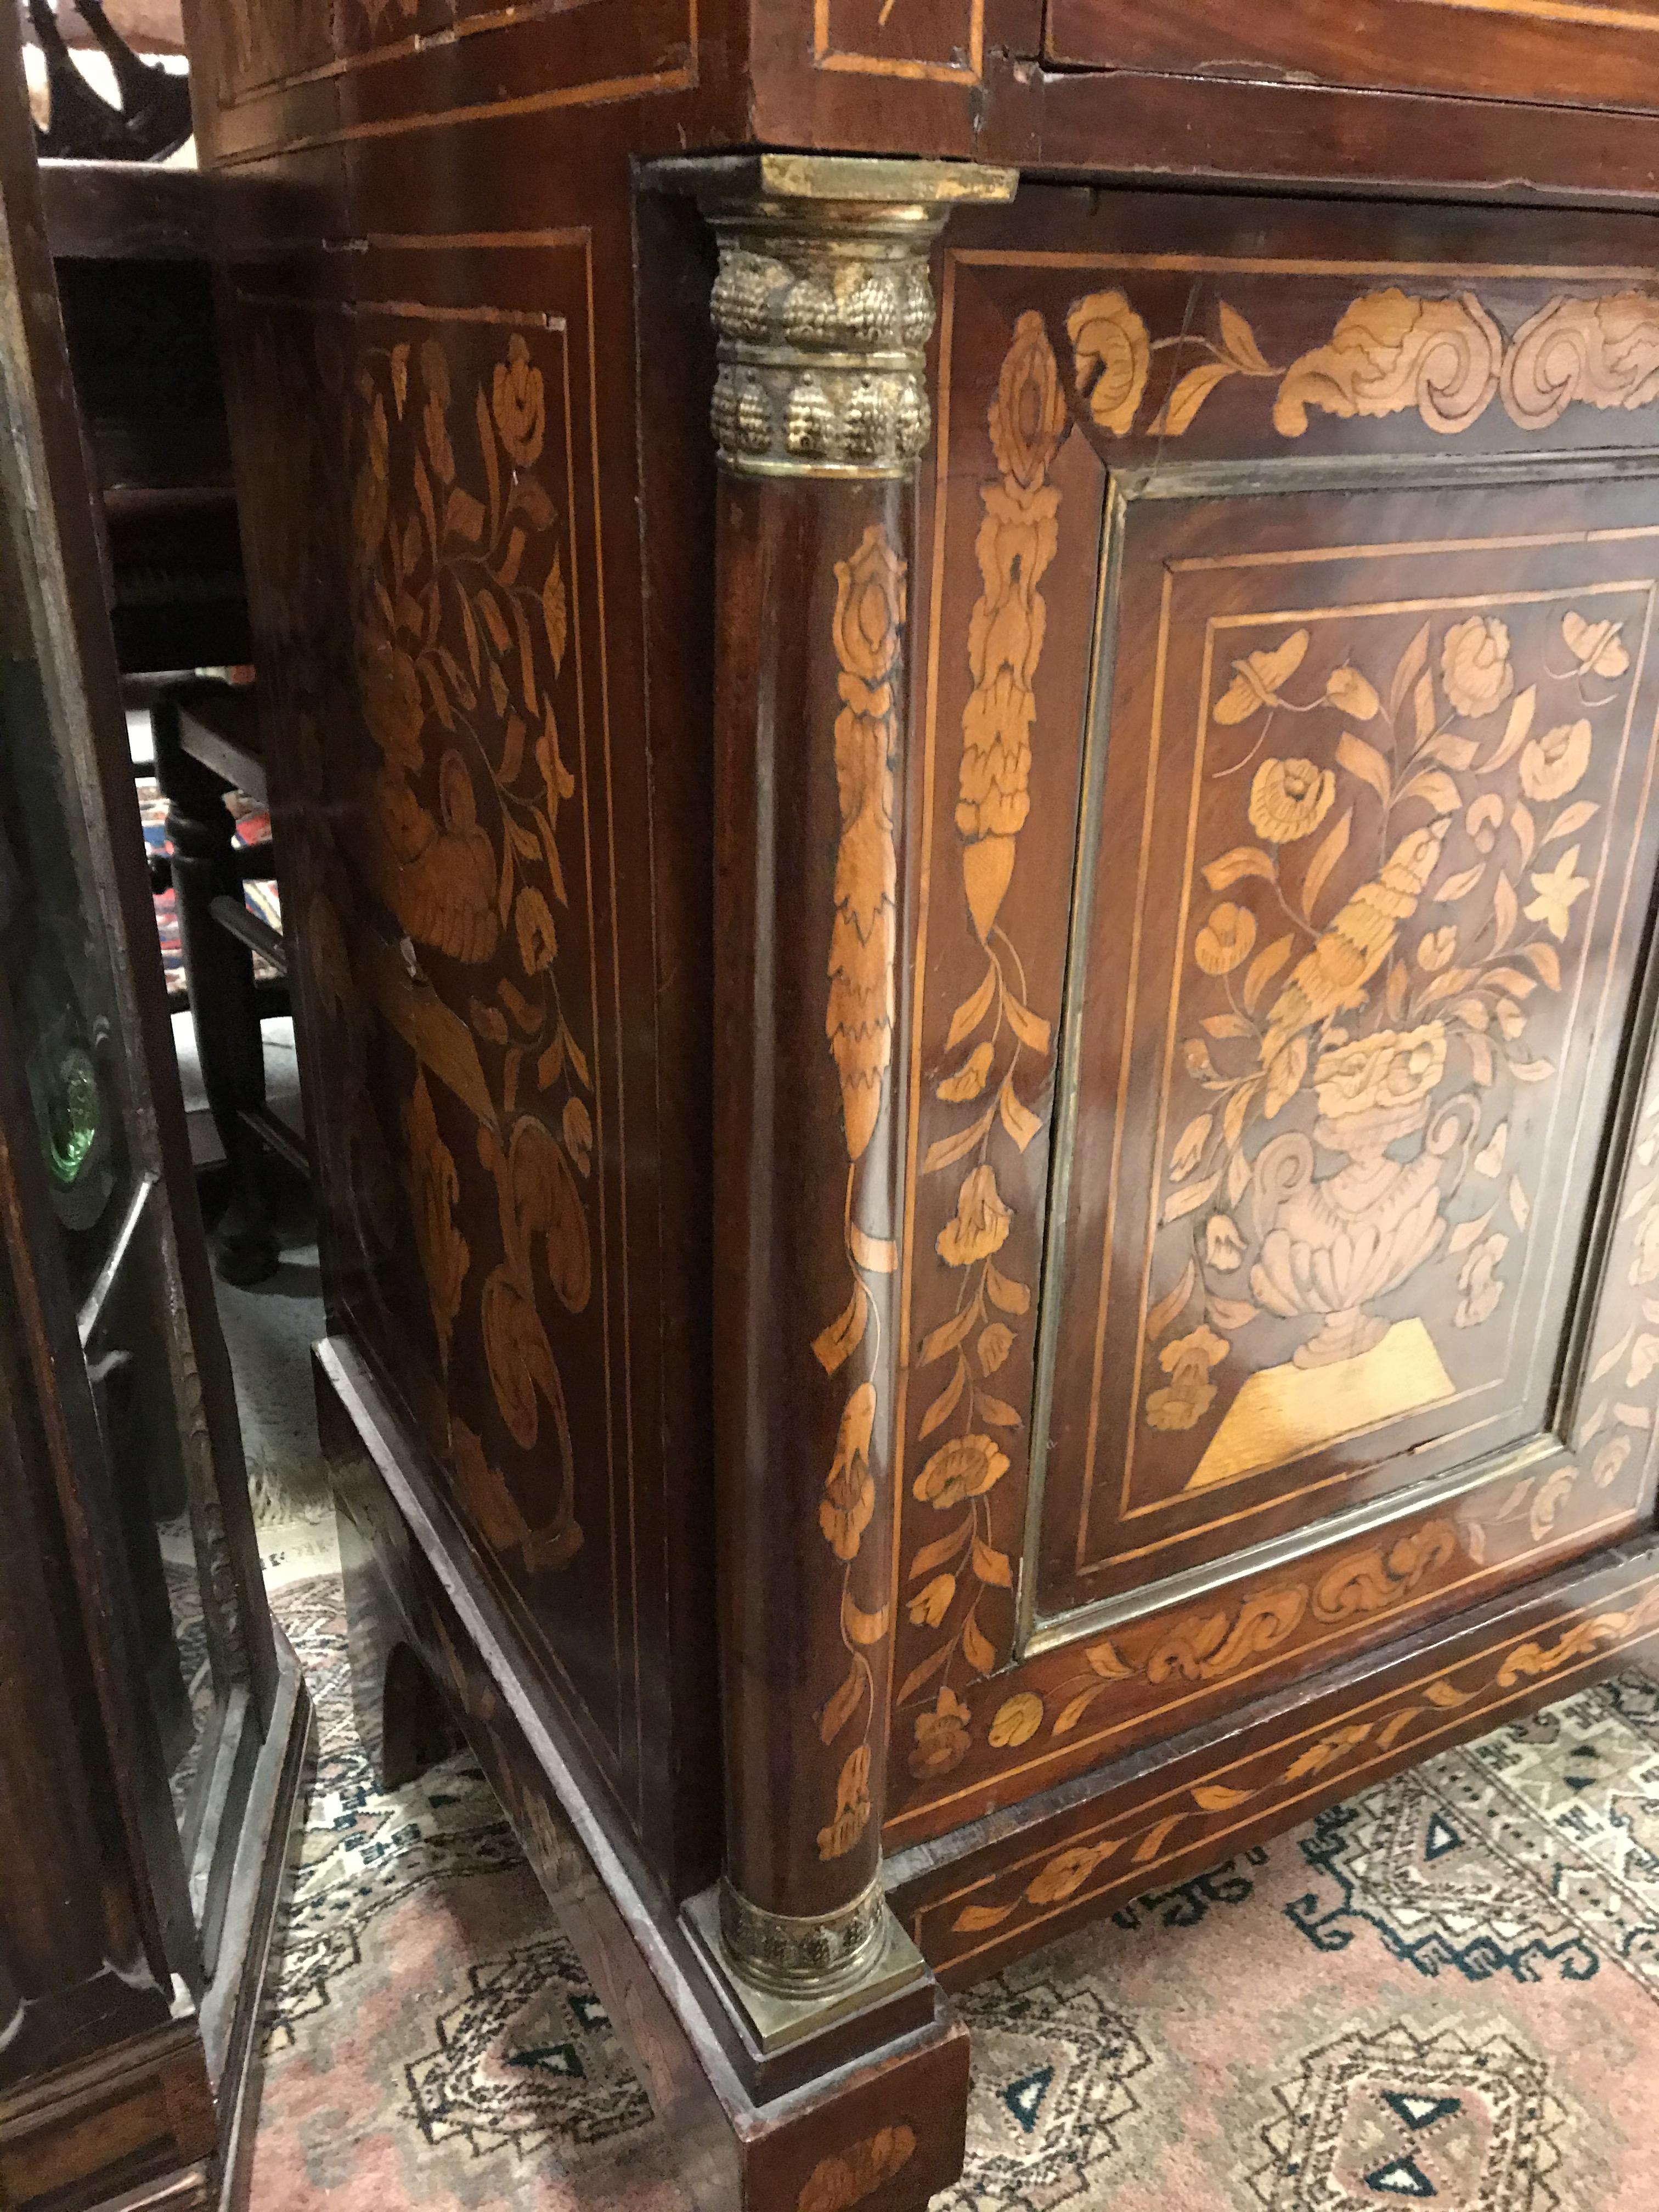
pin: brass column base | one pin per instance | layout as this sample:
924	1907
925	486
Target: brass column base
775	2009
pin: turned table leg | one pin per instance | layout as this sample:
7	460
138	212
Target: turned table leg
223	1000
823	307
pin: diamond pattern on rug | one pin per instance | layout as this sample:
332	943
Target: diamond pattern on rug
1054	2069
1467	2124
1533	1852
506	2055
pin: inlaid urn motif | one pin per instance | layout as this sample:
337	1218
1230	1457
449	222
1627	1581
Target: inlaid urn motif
1333	1243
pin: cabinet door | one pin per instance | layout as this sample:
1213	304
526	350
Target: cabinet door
1285	1259
1365	876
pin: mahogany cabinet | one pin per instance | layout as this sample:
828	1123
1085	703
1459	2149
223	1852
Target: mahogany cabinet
973	851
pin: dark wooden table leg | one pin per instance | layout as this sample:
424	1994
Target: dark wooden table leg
219	972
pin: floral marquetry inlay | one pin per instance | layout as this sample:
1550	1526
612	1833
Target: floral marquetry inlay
868	632
461	626
1393	350
1398	885
1129	1849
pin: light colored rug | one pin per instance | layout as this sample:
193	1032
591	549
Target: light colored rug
1444	1992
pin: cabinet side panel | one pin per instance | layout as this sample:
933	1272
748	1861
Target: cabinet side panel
436	427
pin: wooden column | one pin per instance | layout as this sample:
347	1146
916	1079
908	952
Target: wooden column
824	307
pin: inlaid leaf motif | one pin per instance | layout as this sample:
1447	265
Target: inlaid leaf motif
1180	409
1219	1797
436	1186
1330	851
842	1705
1232	867
845	1333
968	1081
1365	761
1391	351
1239	342
974	1919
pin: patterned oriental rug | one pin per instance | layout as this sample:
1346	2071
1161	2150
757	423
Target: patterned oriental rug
1443	1992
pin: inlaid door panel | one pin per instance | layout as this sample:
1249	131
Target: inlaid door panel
1366	876
1281	1271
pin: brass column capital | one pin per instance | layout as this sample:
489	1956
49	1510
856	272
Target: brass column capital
823	307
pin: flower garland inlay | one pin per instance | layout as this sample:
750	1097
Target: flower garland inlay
998	1034
867	632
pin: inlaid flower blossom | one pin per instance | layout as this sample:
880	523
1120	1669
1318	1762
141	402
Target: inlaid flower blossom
1223	1247
869	617
520	403
1558	888
979	1224
1288	798
852	1806
392	706
941	1737
932	1602
1552	764
849	1489
1028	417
1483	819
1353	694
1113	353
1189	1391
1386	1070
1475	665
1225	939
967	1466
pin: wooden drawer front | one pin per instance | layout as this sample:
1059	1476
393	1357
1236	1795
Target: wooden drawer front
1284	1249
1555	50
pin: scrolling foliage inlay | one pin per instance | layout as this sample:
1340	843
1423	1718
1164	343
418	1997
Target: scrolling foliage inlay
867	632
1136	1843
1390	351
1001	1047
